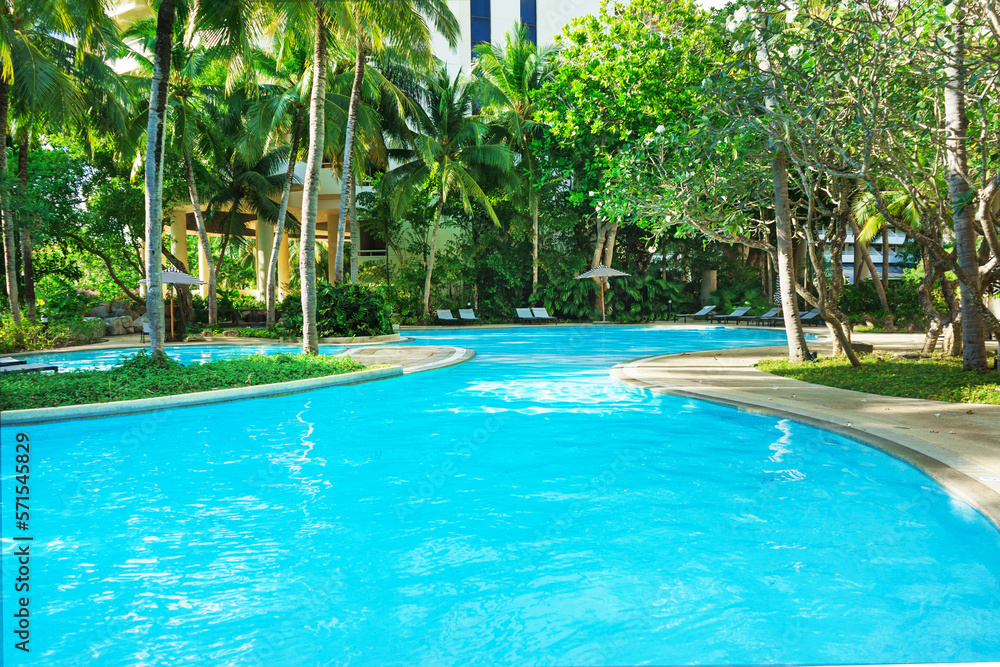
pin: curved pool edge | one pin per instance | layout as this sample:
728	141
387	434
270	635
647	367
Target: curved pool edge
136	406
955	473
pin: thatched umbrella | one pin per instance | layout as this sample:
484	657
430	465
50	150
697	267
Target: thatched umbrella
601	271
172	276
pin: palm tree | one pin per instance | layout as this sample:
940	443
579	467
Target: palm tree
375	25
509	76
44	48
454	149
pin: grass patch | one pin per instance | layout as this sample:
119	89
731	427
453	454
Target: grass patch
141	376
937	378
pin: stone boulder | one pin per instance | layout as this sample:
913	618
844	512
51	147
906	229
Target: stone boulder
118	326
102	310
230	333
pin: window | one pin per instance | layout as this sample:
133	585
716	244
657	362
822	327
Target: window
529	17
480	23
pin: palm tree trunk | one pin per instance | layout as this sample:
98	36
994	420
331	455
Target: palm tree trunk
956	128
430	260
352	121
9	252
155	138
279	228
213	309
534	243
310	188
27	264
355	231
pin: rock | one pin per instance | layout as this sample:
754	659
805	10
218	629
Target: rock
867	348
230	333
119	305
102	310
139	321
207	333
194	339
91	312
118	326
119	312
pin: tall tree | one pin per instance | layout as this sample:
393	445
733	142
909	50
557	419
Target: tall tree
511	76
375	25
962	200
454	150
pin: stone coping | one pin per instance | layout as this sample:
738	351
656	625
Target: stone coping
92	410
975	483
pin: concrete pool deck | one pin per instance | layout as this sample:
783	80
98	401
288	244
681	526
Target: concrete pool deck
958	444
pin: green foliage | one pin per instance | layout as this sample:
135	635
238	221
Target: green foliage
28	336
862	298
935	378
242	332
64	301
632	299
343	309
734	296
145	376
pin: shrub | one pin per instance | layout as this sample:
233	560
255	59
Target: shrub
344	309
65	302
28	335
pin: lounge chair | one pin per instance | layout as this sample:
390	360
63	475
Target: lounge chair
11	361
445	317
812	315
466	315
525	316
736	314
145	332
28	368
757	318
701	313
542	315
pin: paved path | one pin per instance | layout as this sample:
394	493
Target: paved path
413	358
958	444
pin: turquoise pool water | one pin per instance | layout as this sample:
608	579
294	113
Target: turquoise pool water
186	354
522	508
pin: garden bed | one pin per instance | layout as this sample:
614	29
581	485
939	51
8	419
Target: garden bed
140	377
937	378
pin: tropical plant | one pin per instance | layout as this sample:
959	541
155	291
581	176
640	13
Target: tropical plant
343	309
454	150
510	78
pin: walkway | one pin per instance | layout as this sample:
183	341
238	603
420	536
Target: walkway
957	444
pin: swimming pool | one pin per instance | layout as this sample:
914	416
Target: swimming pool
103	359
521	508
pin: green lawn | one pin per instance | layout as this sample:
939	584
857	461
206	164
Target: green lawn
140	376
937	378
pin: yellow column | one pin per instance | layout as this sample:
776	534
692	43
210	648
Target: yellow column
202	272
178	230
265	239
283	269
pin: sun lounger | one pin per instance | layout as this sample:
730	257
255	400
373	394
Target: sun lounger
525	316
757	318
701	313
736	314
812	315
542	315
28	368
466	315
11	361
445	317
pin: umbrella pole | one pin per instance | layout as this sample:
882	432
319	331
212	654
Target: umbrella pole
600	280
171	313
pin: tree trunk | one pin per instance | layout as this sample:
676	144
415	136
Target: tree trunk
213	310
430	260
953	344
355	230
797	350
155	138
534	243
310	188
27	264
934	319
352	121
956	127
9	247
279	228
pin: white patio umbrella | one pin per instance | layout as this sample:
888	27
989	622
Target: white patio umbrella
172	276
601	271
